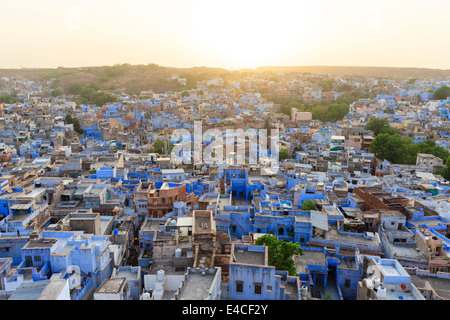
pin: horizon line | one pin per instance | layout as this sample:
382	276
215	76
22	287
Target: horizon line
227	69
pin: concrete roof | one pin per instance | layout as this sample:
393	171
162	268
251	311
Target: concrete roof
111	285
440	285
196	286
53	289
30	290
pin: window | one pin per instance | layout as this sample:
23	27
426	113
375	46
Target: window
37	258
347	283
269	288
257	288
239	286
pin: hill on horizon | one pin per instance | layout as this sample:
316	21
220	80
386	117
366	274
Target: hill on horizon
132	78
136	78
369	72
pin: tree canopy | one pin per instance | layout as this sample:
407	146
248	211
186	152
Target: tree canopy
442	93
283	154
56	93
331	113
74	88
76	123
280	252
403	150
445	173
8	99
379	125
308	205
90	94
350	97
159	145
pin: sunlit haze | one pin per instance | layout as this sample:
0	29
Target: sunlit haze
230	34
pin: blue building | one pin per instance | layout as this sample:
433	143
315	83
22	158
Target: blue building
251	278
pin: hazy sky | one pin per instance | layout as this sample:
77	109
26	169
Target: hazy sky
230	34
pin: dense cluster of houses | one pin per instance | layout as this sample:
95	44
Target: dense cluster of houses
100	215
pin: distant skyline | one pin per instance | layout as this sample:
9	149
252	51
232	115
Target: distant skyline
230	34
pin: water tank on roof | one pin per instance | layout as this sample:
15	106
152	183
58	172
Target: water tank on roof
146	296
381	293
115	231
160	275
304	292
178	253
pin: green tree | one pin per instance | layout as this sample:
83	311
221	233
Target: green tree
445	173
159	147
332	113
379	125
350	97
56	93
91	94
308	205
429	146
280	252
403	150
74	88
8	99
283	154
390	147
75	122
327	297
442	93
327	85
285	109
344	88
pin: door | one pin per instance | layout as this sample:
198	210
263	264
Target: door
28	261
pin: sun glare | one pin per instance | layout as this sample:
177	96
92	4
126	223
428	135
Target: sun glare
249	33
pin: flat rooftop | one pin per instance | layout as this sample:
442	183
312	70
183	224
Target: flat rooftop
332	234
246	256
202	224
18	217
395	292
152	225
209	199
309	258
53	289
128	274
390	270
429	222
440	285
30	290
196	286
111	285
40	243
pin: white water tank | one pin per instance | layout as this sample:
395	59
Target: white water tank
304	292
178	253
146	296
381	293
160	275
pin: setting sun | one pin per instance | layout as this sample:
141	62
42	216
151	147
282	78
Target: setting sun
249	33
